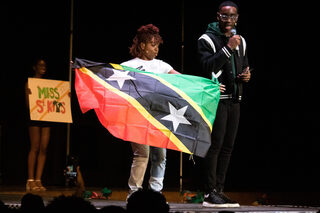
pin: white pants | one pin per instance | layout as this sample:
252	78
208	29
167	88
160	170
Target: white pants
141	154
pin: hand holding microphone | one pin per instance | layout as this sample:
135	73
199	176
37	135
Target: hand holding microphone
234	40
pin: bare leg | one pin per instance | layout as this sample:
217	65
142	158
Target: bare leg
34	134
45	136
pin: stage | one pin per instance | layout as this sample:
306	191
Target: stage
276	202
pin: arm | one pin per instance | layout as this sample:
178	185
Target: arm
173	72
27	93
246	71
212	59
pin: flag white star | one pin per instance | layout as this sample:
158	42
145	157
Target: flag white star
120	77
176	116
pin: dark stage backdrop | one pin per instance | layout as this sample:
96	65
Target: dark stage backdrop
277	147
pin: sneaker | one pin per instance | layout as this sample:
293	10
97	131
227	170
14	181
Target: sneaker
213	199
228	201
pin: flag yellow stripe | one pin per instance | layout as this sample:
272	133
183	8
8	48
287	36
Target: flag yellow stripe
141	109
117	66
183	95
177	90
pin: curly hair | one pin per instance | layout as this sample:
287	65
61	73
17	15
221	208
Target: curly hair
144	34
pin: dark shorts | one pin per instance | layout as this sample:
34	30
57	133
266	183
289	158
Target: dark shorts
40	123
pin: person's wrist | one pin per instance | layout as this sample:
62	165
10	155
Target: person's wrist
228	46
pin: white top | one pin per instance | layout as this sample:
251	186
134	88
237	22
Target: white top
154	65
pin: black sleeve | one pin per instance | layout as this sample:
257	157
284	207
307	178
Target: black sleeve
245	62
209	60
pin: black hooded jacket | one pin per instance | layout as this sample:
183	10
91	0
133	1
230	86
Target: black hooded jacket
216	59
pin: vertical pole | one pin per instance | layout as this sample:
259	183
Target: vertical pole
182	70
70	69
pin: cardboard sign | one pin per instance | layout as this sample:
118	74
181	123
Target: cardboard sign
49	100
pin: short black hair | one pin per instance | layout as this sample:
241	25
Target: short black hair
147	200
228	3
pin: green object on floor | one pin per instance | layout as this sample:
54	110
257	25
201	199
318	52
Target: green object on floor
87	194
193	197
198	198
106	192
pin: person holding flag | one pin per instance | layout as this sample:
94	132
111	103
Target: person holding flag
144	50
140	103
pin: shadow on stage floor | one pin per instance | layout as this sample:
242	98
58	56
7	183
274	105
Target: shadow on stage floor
276	202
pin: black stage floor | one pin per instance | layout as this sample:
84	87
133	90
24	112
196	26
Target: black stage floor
11	196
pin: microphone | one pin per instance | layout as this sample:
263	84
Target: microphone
234	32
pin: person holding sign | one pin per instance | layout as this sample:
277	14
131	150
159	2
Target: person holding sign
39	133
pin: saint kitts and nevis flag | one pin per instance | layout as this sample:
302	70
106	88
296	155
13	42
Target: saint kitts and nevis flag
163	110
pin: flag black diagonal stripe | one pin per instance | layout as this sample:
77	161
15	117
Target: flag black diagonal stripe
155	97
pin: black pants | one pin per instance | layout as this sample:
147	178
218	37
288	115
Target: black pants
224	132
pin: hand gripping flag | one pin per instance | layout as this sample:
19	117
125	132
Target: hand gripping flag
162	110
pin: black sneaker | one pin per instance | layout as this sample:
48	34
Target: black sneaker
213	199
228	201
